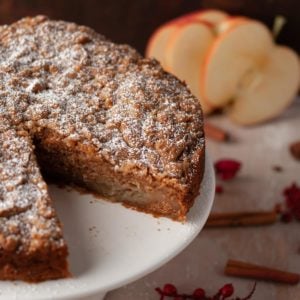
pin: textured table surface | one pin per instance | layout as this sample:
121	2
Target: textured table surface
257	186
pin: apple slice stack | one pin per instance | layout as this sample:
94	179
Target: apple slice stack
230	63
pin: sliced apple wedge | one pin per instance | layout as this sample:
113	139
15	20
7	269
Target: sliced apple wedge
159	39
211	17
235	53
231	22
185	54
157	44
268	90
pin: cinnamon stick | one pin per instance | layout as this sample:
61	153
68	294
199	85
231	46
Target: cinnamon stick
248	270
242	219
215	133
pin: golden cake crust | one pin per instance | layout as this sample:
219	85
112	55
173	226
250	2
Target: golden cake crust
72	80
31	244
84	101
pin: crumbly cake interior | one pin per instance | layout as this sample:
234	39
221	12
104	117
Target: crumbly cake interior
101	116
31	242
80	165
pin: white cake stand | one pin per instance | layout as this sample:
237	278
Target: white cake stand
111	246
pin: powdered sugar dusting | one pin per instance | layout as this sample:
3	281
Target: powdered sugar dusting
27	218
69	79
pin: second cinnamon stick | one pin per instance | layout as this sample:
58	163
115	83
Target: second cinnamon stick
242	219
248	270
216	133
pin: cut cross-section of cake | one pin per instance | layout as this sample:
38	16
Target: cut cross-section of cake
31	243
100	116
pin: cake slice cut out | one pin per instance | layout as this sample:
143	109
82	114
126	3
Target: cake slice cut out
31	241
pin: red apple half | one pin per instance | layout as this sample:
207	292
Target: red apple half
248	73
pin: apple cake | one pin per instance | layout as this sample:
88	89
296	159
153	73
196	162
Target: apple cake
79	108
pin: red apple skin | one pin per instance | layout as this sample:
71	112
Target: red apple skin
201	15
180	21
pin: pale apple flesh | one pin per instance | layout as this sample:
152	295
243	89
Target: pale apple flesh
158	42
234	53
230	22
186	52
159	39
229	62
211	16
269	89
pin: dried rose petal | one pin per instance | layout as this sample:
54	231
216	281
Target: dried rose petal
227	168
170	290
292	200
292	191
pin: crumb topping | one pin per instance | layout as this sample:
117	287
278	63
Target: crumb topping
27	218
69	79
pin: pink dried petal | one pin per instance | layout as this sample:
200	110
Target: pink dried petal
292	200
227	168
169	290
292	190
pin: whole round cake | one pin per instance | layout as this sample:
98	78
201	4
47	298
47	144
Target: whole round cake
79	108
